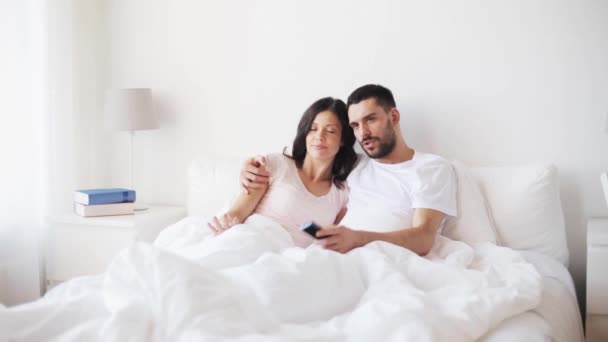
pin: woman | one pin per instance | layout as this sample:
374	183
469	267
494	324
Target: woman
308	185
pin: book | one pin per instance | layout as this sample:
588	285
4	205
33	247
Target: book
104	196
126	208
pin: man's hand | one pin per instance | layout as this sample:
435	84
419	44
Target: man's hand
222	224
254	174
340	239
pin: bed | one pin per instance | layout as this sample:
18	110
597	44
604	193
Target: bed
251	286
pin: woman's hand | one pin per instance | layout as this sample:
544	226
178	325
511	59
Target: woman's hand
222	224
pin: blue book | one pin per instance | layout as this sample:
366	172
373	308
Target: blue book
104	196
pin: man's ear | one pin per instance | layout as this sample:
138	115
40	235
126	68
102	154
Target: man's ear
395	115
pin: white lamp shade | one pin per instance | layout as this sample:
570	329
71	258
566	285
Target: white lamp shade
131	109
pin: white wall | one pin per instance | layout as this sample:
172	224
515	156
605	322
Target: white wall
487	82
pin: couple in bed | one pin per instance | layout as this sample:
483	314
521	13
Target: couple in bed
395	194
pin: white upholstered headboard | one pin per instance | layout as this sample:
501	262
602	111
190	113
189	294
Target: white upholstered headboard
523	201
212	183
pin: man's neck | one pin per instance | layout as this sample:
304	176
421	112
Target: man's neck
401	153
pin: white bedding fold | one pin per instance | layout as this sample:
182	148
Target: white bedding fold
250	284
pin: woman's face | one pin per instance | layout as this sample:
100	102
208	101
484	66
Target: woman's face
325	136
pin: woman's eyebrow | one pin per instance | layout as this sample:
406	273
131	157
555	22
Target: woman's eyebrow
329	124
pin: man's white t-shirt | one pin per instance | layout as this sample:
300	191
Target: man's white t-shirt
383	197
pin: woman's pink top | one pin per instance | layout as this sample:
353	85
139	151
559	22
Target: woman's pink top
289	202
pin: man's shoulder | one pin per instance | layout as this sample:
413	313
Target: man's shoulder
434	168
358	169
424	159
362	159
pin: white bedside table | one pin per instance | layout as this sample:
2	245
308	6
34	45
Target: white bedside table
597	280
77	246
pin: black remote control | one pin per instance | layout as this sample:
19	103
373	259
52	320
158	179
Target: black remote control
312	229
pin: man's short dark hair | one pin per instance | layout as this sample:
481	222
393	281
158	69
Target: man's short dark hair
383	96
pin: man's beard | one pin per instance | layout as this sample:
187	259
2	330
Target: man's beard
384	147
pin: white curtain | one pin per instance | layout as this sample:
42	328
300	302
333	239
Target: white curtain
23	137
50	111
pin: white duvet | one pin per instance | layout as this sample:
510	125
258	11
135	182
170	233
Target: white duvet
249	284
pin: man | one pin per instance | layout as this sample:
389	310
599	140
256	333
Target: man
397	195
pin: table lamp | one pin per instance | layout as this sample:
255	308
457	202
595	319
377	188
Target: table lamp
132	111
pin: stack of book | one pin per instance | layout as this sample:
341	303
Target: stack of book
104	202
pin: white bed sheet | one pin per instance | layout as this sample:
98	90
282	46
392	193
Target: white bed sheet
557	318
147	295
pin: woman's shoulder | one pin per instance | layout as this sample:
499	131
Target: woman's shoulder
278	163
279	159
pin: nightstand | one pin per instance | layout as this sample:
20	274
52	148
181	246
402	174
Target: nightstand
597	280
77	246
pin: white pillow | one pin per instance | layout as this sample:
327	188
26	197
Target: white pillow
526	207
474	223
521	208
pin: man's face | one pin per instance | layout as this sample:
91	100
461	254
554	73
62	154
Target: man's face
373	128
